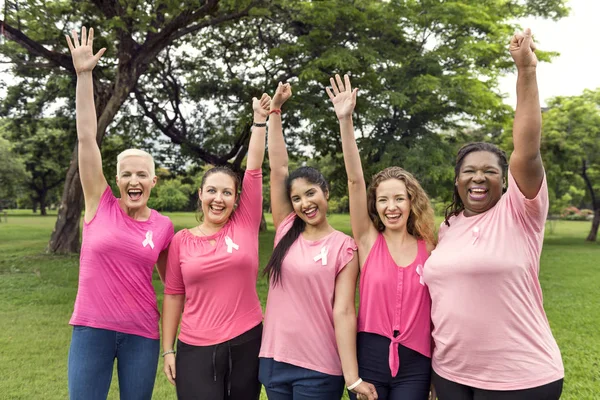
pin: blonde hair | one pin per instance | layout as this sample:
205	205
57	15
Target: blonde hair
420	222
135	153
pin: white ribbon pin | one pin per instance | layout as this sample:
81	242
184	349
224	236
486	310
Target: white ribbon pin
148	240
420	273
322	256
230	245
475	234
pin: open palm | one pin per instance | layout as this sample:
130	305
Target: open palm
83	54
342	96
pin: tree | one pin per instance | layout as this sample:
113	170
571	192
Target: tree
44	145
421	66
12	173
571	148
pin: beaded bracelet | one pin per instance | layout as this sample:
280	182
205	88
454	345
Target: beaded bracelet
259	124
168	352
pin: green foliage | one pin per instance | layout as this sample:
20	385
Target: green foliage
13	175
171	195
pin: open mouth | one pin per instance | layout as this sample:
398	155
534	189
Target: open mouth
393	217
311	212
477	193
217	210
134	194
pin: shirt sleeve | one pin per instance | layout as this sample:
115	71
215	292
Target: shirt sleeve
174	279
169	233
531	213
284	226
346	253
249	211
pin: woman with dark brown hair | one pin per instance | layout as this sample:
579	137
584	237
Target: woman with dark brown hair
492	338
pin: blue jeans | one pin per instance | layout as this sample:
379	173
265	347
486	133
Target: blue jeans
91	358
414	375
284	381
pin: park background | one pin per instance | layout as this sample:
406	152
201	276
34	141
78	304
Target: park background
177	80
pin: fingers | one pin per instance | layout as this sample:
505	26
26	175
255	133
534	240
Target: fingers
354	93
90	40
83	36
339	82
75	37
347	83
69	43
334	86
329	93
99	54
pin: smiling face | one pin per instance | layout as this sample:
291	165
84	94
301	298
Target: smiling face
135	181
309	201
392	204
218	196
479	182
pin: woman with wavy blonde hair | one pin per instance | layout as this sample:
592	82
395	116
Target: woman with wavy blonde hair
393	227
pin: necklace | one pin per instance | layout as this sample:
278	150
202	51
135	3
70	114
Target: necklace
201	231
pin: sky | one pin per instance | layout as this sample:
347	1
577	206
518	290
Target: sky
576	39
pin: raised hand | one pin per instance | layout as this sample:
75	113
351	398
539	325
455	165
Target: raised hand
283	92
83	55
261	107
342	96
522	49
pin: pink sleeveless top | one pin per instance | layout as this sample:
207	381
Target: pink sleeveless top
394	298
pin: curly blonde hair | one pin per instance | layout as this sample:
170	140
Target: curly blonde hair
420	222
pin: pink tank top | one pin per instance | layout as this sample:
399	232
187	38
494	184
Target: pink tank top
394	301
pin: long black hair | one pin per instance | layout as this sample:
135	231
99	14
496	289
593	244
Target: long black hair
457	205
273	267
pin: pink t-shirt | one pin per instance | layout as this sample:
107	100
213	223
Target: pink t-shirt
299	326
394	298
219	281
117	258
490	328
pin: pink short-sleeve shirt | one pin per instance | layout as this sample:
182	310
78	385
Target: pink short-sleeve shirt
117	258
299	326
490	328
219	280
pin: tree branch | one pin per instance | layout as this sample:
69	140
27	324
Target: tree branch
36	49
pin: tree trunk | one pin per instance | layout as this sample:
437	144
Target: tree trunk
65	236
595	224
42	197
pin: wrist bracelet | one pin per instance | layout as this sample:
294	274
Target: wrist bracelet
275	111
355	384
259	124
168	352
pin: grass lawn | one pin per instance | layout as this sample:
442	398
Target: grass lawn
38	291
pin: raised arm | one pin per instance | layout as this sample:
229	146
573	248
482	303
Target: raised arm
344	99
90	160
526	162
278	157
256	148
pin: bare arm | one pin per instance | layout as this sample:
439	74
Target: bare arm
161	264
90	160
278	158
344	100
256	148
172	309
526	162
344	319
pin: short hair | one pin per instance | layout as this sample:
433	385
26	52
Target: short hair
135	153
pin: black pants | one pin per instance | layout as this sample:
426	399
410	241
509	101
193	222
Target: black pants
413	379
448	390
224	371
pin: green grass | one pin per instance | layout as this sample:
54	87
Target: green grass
38	291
